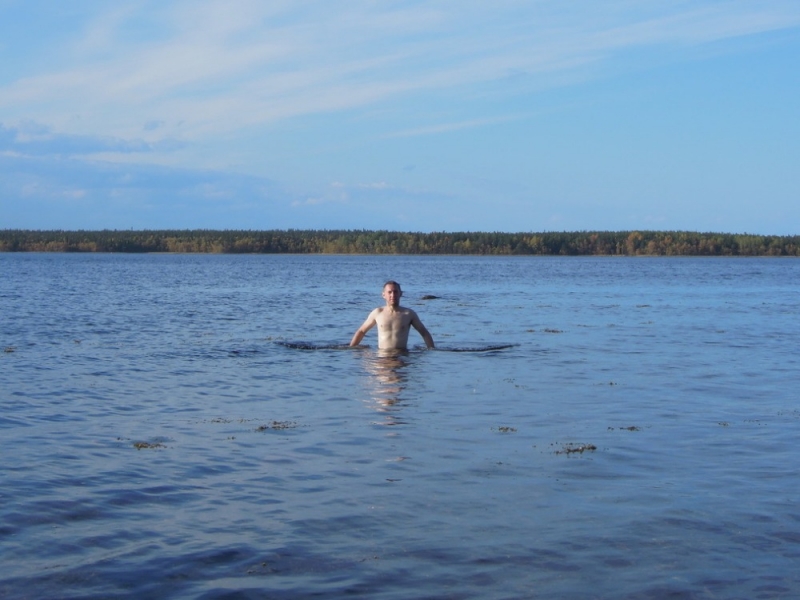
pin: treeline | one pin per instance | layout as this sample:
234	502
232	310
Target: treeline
295	241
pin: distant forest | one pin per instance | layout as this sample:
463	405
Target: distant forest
296	241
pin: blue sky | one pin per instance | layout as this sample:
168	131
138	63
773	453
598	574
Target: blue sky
537	115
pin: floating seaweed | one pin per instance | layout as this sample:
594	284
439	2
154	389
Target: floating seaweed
577	448
277	425
147	445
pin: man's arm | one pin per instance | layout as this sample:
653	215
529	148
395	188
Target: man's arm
365	327
426	335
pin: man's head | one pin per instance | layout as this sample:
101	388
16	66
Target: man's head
392	293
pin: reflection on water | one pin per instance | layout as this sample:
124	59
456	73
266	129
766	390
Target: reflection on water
388	370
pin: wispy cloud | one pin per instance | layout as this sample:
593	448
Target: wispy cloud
446	127
33	139
191	109
203	67
54	191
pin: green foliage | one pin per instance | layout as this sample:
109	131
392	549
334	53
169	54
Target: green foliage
296	241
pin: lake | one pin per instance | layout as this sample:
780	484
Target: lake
185	426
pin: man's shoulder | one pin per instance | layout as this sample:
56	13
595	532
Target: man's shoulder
407	312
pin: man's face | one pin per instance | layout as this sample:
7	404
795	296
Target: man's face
392	293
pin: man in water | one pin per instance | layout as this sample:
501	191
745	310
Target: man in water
393	321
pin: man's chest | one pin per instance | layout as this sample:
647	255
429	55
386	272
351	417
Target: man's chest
397	321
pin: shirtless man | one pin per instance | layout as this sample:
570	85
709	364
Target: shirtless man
393	321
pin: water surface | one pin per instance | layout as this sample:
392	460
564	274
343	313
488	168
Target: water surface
168	429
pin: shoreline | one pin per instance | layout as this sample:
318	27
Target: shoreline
362	242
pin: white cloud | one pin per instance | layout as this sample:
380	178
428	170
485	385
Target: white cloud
446	127
208	67
74	194
183	101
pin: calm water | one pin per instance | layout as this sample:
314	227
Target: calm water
159	440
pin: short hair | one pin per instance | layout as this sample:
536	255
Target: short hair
392	282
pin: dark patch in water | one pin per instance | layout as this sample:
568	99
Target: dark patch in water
313	346
277	425
576	448
144	445
487	348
